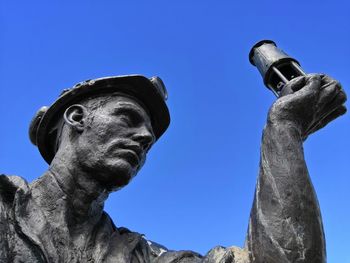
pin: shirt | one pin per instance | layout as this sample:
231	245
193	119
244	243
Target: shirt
26	235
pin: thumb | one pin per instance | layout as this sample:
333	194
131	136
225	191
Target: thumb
312	85
297	83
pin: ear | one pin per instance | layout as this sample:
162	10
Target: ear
75	117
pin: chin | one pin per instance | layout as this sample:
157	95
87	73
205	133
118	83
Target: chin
118	174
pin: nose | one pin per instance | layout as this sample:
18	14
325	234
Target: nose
144	136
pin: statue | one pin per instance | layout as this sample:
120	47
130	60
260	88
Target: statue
95	138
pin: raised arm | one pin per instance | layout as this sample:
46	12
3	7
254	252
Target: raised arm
285	222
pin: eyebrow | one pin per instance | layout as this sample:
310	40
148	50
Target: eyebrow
126	107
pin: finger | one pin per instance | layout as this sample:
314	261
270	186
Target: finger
331	110
328	110
328	94
329	118
338	100
326	79
341	110
332	106
297	83
312	86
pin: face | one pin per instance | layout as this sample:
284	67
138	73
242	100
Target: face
113	145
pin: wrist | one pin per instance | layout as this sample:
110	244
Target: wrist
284	126
280	117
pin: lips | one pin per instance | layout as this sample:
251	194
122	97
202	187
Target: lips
131	152
128	150
130	156
135	148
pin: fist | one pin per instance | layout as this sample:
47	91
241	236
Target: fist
316	100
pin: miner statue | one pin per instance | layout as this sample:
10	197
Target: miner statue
95	138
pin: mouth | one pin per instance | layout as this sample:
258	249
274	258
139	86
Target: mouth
130	156
134	148
132	153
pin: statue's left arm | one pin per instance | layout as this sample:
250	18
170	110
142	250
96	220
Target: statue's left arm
285	223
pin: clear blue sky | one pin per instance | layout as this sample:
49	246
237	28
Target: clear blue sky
196	188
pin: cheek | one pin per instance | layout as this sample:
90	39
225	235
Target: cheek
100	129
103	130
97	140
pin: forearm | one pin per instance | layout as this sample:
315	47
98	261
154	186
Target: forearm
285	222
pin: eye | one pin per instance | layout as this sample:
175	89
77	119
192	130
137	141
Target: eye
126	119
128	116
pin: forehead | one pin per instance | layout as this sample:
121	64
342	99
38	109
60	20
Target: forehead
118	101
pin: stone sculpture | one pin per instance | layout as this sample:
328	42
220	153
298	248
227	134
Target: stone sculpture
95	138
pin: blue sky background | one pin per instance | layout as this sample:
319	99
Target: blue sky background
197	186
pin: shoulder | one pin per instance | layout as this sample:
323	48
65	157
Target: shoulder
9	184
8	188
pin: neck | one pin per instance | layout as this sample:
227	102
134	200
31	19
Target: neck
70	196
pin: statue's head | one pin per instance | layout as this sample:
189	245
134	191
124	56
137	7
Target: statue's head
105	126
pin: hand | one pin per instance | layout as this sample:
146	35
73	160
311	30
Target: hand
316	101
